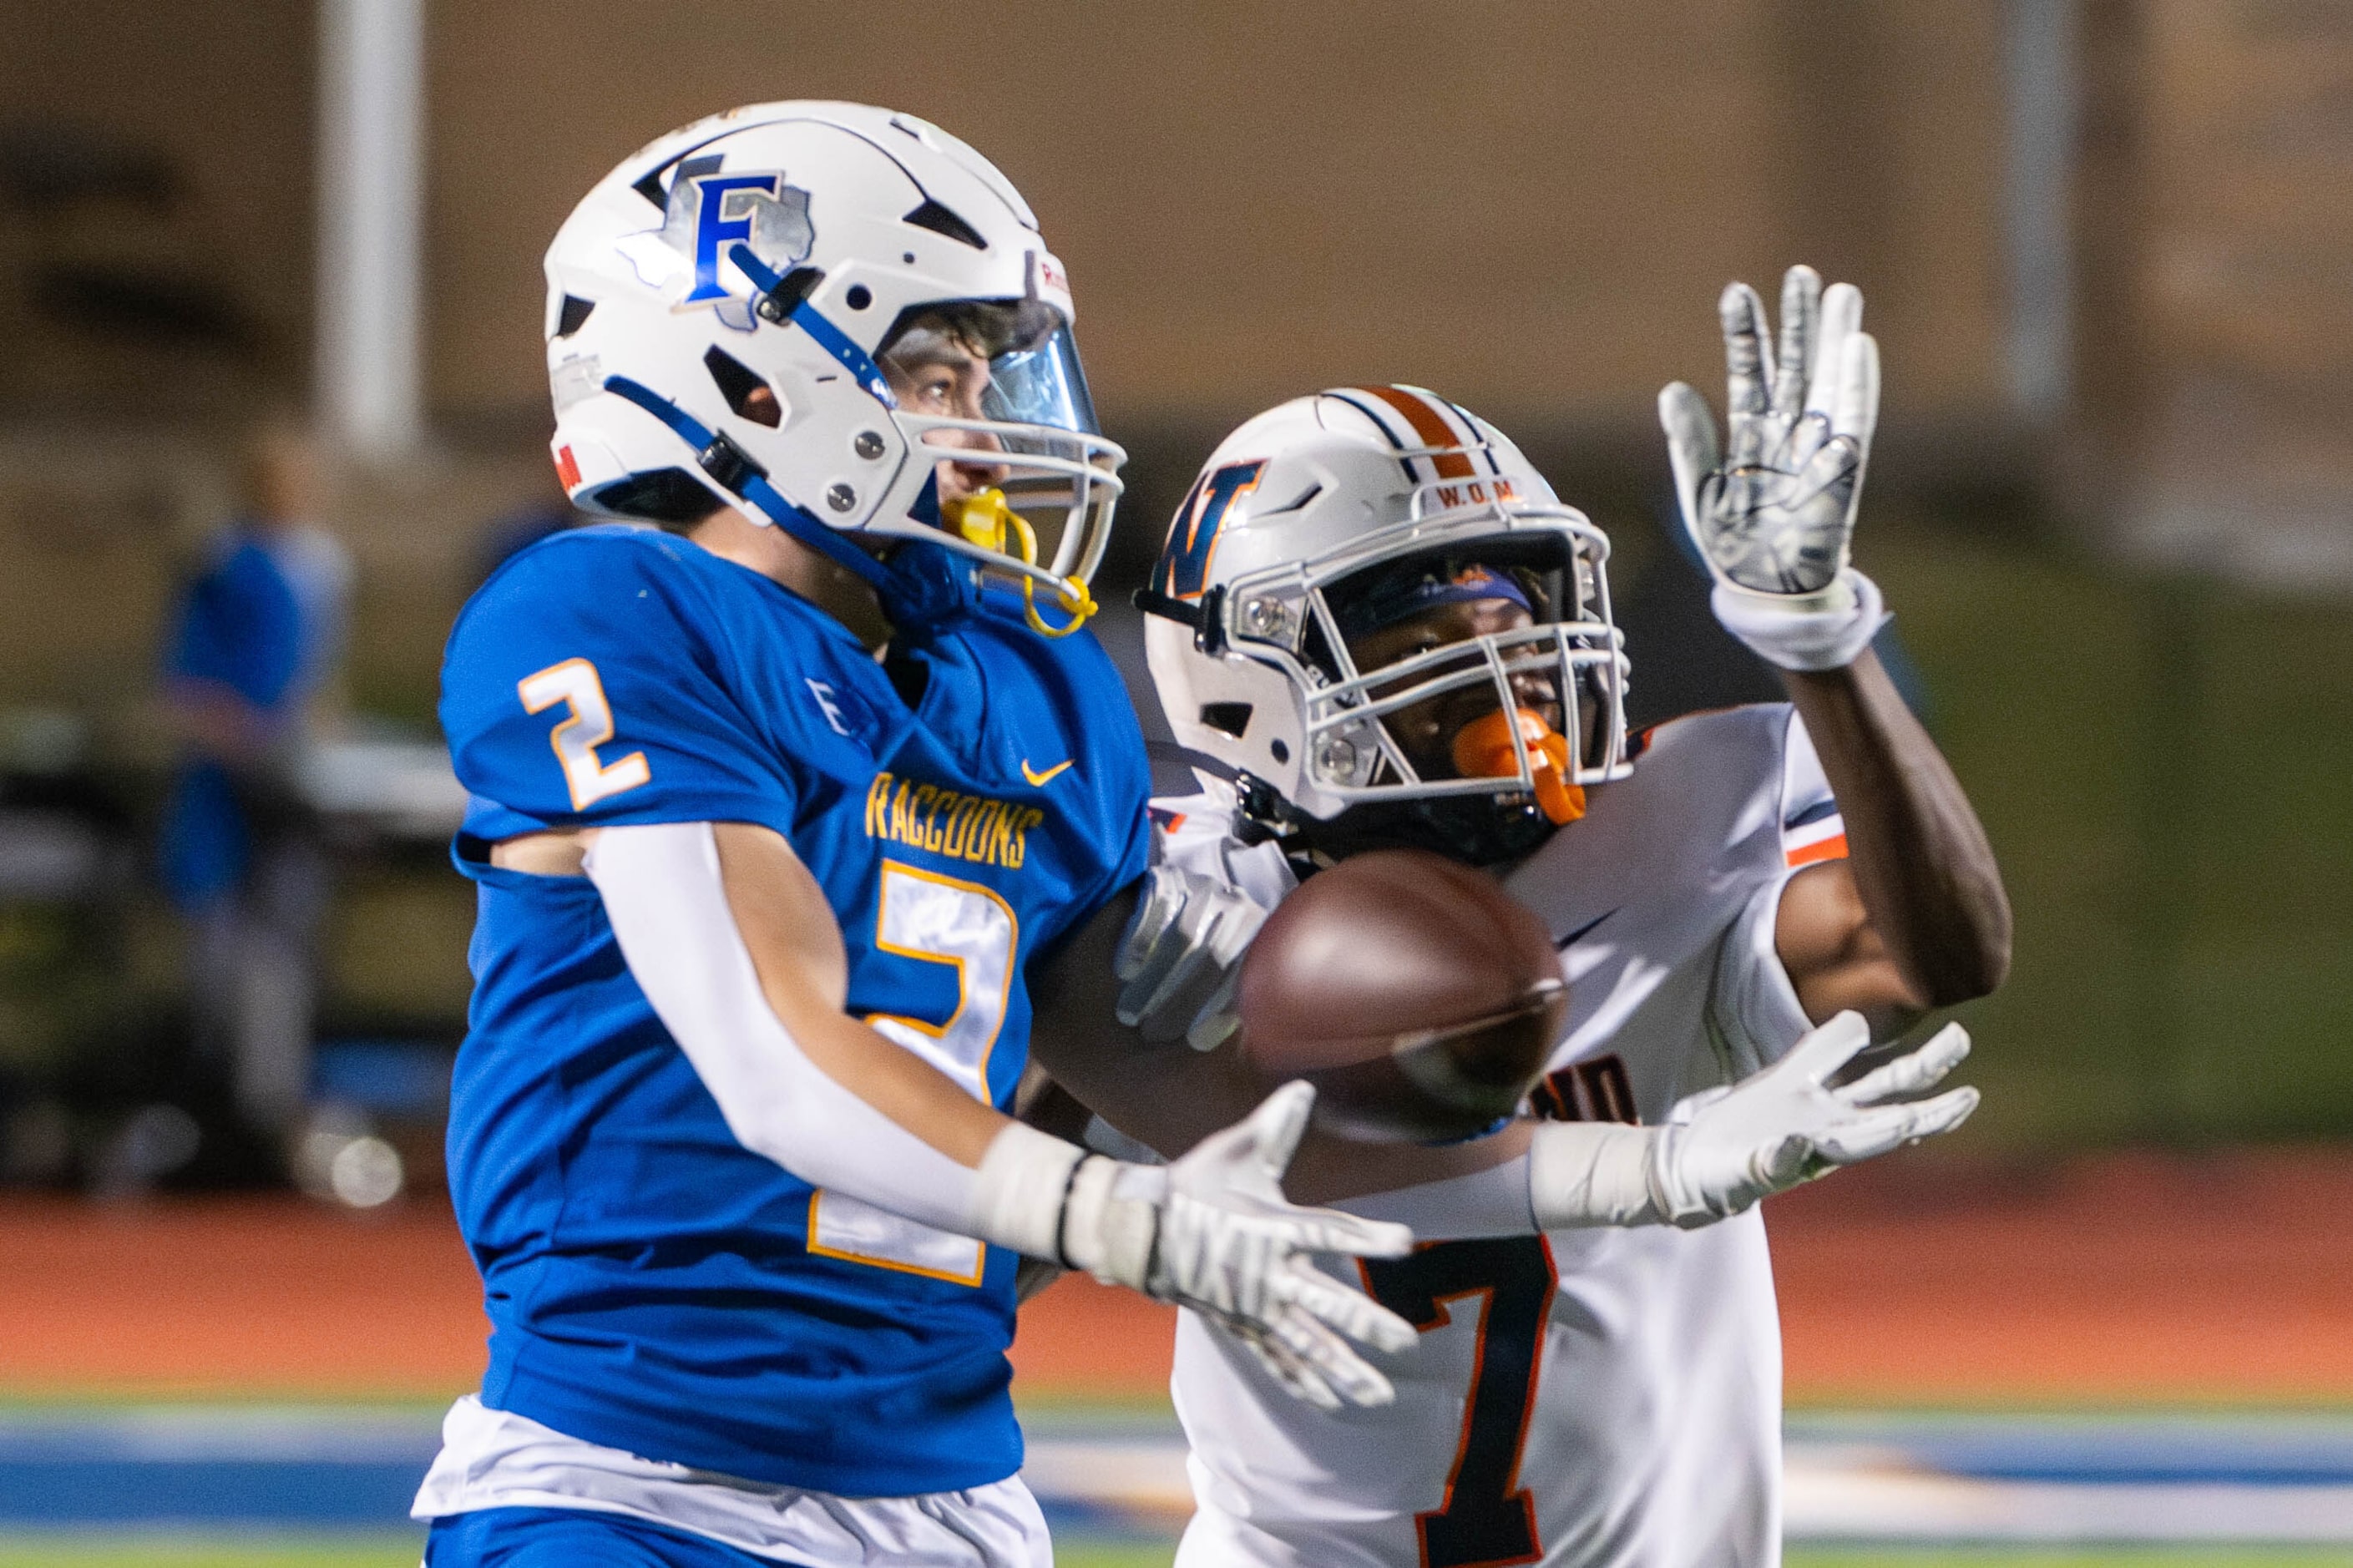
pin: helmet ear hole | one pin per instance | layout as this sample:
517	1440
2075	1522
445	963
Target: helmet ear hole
671	497
751	397
1233	718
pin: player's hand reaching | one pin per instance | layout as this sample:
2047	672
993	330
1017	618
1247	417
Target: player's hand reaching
1179	960
1728	1148
1725	1148
1772	513
1773	510
1233	1246
1214	1232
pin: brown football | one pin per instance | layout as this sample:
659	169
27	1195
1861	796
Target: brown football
1415	994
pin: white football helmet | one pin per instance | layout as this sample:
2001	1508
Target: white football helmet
716	310
1307	508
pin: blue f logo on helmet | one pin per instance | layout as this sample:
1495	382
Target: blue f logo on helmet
720	210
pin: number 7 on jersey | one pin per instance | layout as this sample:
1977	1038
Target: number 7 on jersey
1487	1518
575	684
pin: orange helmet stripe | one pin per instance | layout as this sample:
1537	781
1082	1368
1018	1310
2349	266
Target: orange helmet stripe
1431	426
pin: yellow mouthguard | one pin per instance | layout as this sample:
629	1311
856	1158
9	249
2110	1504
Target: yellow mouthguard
985	520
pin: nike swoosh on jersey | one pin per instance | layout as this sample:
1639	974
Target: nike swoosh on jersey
1571	937
1039	781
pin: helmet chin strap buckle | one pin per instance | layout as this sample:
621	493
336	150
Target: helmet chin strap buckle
1483	748
779	294
730	466
784	295
1265	815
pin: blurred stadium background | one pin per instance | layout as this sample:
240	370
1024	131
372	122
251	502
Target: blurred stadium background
2105	250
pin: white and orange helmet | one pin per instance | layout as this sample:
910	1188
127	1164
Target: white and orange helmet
1310	506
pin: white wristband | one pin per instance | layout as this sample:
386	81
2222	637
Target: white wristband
1019	1190
1111	1221
1798	631
1592	1174
1042	1197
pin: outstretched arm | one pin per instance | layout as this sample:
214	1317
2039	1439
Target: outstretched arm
1722	1152
1915	917
1162	1095
733	942
736	947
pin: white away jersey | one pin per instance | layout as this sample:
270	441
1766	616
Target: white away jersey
1605	1397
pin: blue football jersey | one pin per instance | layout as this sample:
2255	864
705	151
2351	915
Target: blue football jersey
651	1284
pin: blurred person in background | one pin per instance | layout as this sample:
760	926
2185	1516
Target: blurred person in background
253	644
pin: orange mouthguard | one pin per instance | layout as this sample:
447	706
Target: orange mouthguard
1483	750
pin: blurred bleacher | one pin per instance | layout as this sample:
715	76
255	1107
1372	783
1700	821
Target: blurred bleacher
2119	550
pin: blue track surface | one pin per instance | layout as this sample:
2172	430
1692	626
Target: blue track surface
2139	1450
291	1469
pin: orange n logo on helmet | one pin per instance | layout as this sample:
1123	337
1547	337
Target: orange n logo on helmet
1193	536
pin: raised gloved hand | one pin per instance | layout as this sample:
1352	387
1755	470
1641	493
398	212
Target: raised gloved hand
1725	1148
1212	1232
1181	955
1773	514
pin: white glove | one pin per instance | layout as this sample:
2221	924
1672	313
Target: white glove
1728	1148
1181	955
1774	517
1212	1232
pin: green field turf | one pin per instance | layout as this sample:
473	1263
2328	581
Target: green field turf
94	1550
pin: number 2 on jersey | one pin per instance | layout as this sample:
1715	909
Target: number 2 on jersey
968	927
575	684
1488	1519
933	919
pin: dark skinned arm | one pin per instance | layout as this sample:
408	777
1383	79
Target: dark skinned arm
1914	918
1170	1096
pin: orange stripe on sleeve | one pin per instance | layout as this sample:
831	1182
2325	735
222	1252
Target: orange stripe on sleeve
1833	849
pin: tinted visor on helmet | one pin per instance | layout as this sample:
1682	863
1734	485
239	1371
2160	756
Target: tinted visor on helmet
1042	386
